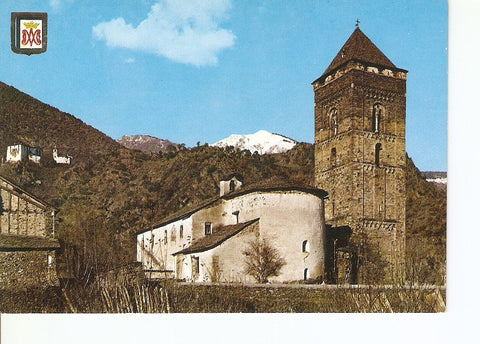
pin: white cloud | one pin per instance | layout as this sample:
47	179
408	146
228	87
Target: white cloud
184	31
56	4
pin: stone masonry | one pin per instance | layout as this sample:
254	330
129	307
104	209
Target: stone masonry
360	155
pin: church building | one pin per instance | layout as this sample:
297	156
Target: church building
360	161
209	242
349	229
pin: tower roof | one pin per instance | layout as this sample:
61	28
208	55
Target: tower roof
359	47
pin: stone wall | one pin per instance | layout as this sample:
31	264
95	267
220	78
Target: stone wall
25	269
360	165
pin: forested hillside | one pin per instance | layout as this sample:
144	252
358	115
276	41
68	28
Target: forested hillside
110	191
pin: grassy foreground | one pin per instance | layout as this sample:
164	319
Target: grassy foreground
173	297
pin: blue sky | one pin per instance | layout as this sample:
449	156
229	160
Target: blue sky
193	71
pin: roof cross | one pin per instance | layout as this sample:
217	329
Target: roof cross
357	22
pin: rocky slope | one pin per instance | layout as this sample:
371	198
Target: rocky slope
146	143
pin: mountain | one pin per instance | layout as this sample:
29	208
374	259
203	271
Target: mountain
146	143
262	142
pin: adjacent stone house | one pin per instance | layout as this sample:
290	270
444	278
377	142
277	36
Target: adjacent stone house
207	242
27	242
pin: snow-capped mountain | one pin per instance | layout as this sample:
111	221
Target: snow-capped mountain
262	141
145	143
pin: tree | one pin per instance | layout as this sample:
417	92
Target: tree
262	260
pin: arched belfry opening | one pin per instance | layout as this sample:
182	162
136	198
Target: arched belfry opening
333	121
377	113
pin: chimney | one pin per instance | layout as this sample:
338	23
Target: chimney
230	184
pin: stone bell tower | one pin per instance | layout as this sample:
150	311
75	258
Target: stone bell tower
360	158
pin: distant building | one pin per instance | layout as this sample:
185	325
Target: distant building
20	152
68	160
27	241
207	243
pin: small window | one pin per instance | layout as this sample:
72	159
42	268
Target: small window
166	237
378	148
333	156
232	185
305	274
235	213
195	265
173	234
305	246
181	231
208	228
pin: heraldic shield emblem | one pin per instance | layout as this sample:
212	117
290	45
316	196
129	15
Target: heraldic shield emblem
29	32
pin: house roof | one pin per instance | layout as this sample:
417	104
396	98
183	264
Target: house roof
218	236
359	47
18	191
10	242
269	185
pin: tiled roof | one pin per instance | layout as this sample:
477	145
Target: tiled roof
18	191
182	213
268	185
24	242
359	47
276	184
219	235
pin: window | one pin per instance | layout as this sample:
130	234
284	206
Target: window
181	231
208	228
305	274
173	234
232	185
333	157
195	267
165	238
333	119
377	113
378	147
235	213
305	246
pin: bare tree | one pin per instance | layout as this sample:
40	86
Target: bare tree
262	260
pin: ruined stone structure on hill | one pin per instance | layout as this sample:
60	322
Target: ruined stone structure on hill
360	160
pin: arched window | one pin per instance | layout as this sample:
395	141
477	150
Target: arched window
305	246
378	148
181	231
333	157
333	119
232	185
377	113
